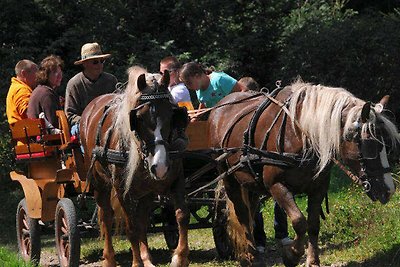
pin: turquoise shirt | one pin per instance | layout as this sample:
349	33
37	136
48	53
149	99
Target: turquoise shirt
221	84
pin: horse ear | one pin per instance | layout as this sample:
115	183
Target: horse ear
141	82
165	79
382	104
384	100
365	112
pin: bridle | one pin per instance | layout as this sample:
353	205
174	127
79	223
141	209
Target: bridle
369	150
145	100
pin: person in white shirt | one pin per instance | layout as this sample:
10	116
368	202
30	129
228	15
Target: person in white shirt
178	90
180	95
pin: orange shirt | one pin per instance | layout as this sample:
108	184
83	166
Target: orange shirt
17	100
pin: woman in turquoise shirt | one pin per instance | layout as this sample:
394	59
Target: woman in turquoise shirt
210	86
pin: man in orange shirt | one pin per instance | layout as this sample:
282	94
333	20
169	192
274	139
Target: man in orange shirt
20	90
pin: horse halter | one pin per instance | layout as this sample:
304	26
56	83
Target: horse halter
369	150
148	99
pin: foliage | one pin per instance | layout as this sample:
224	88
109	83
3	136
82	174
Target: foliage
359	53
349	43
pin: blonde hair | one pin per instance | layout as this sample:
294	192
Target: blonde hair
123	104
321	119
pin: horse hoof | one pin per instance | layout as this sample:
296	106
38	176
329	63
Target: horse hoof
289	257
310	263
259	261
107	263
179	262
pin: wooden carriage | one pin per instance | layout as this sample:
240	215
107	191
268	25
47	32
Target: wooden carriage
51	172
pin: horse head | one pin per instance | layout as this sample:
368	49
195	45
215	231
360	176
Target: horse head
368	142
153	120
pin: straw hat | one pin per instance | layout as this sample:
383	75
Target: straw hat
91	51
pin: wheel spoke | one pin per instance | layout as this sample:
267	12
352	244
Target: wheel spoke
25	233
25	222
65	237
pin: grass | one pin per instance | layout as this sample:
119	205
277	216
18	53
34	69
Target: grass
10	259
357	232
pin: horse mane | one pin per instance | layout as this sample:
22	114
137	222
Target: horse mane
123	103
322	114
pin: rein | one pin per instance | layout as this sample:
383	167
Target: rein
197	113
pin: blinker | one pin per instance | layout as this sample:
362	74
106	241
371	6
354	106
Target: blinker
370	148
133	119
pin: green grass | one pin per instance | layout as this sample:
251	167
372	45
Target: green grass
10	259
357	232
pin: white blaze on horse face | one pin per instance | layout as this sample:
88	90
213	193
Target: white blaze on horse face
160	154
387	176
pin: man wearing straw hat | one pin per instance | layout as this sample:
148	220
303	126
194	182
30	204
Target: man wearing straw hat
88	84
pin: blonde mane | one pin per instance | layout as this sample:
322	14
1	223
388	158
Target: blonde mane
123	103
322	116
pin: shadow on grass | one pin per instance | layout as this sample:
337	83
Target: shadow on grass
160	256
390	258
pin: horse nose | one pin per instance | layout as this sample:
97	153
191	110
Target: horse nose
159	170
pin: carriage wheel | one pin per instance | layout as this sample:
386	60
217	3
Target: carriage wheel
220	233
171	233
28	234
67	233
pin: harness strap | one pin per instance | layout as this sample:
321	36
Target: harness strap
232	126
249	133
266	137
281	135
231	170
111	156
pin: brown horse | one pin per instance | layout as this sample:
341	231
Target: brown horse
286	143
126	141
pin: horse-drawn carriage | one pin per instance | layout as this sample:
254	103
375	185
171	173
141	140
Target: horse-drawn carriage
53	177
277	144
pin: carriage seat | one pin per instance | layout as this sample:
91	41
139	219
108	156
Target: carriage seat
32	141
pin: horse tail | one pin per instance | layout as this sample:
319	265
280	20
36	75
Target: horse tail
237	235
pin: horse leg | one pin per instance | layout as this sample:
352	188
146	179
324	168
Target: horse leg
293	253
106	215
137	219
181	253
240	226
314	211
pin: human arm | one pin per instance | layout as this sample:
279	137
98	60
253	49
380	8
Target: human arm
50	104
72	104
238	87
21	100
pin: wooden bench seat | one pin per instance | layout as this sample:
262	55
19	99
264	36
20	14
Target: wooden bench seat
31	140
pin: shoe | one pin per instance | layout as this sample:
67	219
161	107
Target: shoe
261	249
284	241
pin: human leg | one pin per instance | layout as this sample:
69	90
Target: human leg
258	232
280	222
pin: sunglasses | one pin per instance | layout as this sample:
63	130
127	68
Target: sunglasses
98	61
